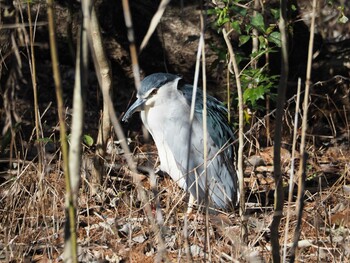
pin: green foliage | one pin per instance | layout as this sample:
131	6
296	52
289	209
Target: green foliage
44	140
257	84
257	22
342	19
88	140
239	16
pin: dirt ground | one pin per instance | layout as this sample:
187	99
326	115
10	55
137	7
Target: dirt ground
122	221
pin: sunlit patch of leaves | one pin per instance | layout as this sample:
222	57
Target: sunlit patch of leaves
238	16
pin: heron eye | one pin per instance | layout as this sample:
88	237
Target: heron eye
154	92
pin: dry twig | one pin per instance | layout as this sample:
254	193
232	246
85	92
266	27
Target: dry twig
303	154
278	202
70	233
233	63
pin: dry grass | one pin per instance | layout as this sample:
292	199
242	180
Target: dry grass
112	225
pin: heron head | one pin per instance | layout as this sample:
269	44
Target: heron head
154	89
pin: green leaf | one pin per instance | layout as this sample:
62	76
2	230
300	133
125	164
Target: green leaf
44	140
223	17
343	19
236	26
275	37
222	21
88	140
243	39
270	29
262	42
257	21
252	95
275	13
247	116
247	28
211	11
238	10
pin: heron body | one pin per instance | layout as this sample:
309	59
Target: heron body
165	105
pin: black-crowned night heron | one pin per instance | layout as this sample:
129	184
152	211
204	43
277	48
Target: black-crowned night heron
165	105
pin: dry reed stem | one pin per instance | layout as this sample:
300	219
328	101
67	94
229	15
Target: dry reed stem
291	180
278	198
236	72
71	241
303	153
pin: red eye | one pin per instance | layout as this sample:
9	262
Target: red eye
154	92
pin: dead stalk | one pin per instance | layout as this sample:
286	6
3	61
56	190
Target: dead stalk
228	96
79	95
207	249
236	72
303	153
70	231
255	35
35	95
154	23
132	45
104	75
291	180
278	200
194	93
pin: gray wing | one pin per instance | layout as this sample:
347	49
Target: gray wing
222	179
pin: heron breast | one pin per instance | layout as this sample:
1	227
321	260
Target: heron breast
166	133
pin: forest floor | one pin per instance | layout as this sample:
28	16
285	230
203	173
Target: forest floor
121	221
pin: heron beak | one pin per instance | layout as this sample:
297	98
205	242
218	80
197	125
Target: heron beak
136	106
